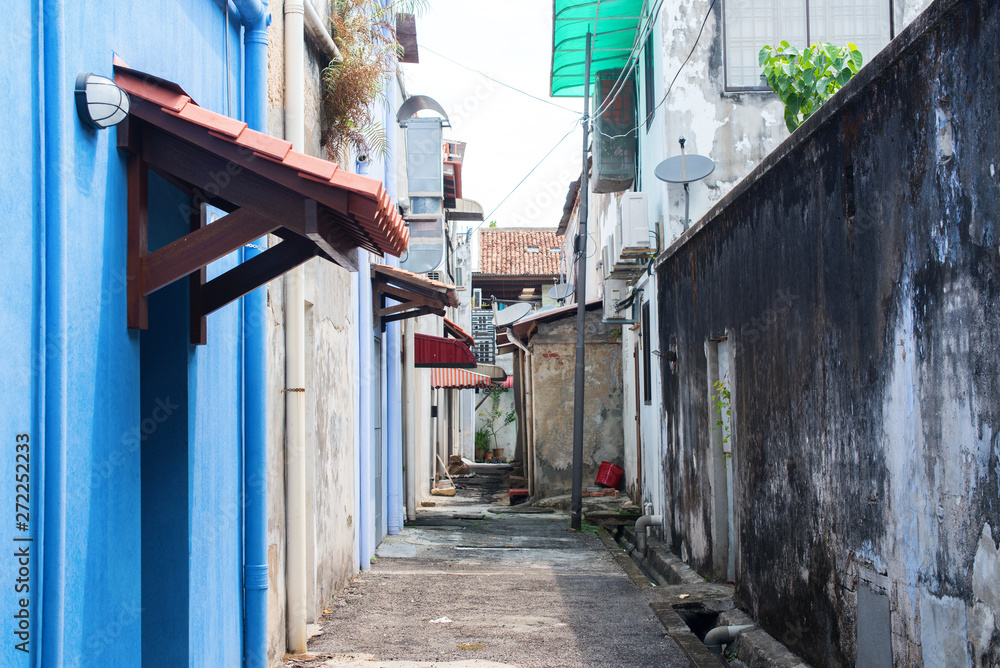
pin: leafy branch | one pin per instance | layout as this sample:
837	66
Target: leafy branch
722	400
495	418
805	79
365	34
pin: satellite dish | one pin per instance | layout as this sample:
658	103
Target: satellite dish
561	290
684	168
511	314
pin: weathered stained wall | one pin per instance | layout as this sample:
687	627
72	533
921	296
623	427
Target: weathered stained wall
553	364
331	392
855	276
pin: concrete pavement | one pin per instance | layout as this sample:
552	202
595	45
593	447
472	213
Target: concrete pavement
465	586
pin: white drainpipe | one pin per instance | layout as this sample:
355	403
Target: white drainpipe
409	421
721	636
295	363
320	36
641	527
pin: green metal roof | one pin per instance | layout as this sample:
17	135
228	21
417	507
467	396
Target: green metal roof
613	24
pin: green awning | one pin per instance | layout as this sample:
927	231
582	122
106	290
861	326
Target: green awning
613	23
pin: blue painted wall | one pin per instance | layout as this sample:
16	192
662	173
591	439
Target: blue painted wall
74	382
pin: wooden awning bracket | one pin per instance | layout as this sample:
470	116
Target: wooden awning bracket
305	230
415	296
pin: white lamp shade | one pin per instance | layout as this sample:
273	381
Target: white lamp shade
99	102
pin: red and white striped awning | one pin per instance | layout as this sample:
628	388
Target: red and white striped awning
458	379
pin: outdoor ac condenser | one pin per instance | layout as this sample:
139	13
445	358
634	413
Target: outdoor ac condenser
614	291
608	257
632	231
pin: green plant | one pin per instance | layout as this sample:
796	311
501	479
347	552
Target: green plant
722	400
365	34
805	79
494	418
482	442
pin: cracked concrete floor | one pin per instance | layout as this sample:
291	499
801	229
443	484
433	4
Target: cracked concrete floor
464	586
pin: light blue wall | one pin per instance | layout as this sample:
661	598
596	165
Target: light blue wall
63	197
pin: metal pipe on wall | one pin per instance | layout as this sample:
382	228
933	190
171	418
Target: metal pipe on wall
410	419
296	602
255	18
581	310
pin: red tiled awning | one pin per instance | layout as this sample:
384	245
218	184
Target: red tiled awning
439	352
263	186
415	295
358	206
458	379
454	331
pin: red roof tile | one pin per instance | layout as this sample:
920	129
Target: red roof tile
357	198
505	252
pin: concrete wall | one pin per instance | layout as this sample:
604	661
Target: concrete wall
853	275
73	385
553	362
332	399
506	436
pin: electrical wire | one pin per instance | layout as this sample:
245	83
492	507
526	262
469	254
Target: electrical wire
673	81
505	85
521	182
633	58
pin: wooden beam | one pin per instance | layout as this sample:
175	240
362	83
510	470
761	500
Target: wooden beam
399	308
423	310
202	246
323	233
215	177
196	283
248	161
399	293
138	240
255	272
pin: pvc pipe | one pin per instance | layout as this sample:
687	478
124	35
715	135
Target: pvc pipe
319	35
641	525
296	600
409	425
366	487
255	18
720	636
394	430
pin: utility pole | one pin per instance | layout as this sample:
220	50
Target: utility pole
581	308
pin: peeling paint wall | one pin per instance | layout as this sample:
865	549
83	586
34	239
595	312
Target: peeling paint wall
856	276
553	364
332	394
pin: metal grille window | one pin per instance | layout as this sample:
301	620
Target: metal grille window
750	24
485	336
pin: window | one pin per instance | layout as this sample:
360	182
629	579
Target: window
750	24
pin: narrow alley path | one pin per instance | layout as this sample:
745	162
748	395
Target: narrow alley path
476	585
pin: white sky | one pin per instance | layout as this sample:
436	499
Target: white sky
507	132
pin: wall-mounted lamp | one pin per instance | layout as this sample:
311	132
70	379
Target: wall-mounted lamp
99	102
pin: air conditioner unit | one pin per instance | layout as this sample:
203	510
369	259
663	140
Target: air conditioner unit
433	275
608	257
615	290
477	298
633	226
634	223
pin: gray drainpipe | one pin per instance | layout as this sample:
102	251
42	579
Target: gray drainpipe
641	525
720	636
